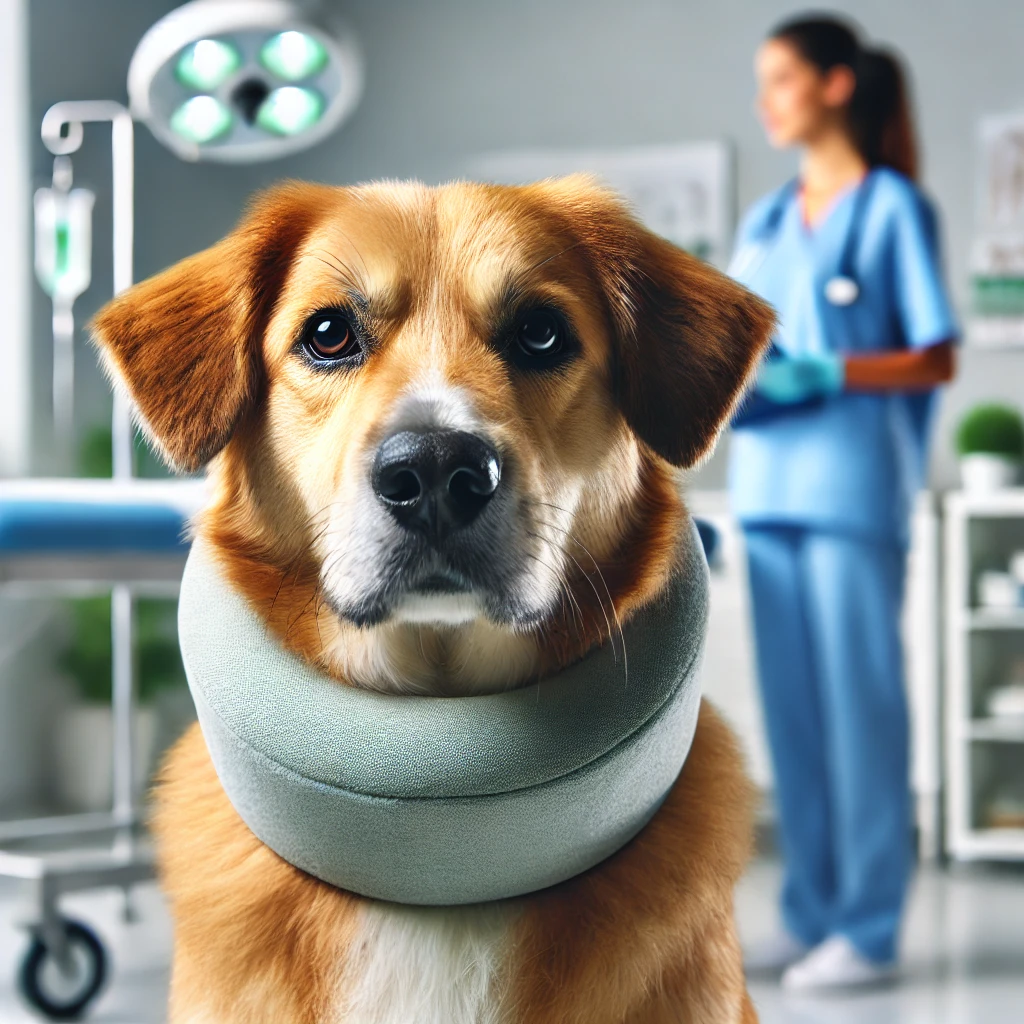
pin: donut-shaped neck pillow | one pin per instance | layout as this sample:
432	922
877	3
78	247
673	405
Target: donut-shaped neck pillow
445	800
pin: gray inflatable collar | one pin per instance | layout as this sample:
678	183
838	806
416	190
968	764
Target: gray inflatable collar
444	800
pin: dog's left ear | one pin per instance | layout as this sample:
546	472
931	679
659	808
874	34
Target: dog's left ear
686	338
187	342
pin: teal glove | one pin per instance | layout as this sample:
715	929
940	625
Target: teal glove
792	380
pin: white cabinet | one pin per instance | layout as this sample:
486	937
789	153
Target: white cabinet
984	658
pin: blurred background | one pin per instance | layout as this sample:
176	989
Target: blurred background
657	95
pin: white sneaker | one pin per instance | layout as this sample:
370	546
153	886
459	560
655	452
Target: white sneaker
774	955
836	963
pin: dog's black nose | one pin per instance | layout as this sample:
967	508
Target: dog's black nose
436	481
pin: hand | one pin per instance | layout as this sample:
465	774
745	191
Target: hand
792	380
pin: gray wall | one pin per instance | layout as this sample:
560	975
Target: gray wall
450	78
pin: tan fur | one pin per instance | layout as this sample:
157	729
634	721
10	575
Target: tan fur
208	350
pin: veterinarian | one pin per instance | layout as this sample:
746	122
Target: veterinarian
822	478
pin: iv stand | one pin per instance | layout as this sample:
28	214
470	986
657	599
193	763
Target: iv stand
72	115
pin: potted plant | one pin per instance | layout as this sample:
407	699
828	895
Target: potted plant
990	443
84	731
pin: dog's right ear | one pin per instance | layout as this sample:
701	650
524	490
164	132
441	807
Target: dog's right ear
186	343
685	338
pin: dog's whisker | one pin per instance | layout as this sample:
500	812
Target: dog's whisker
346	274
317	605
344	279
355	248
577	612
611	605
564	589
561	252
597	568
300	614
289	570
600	602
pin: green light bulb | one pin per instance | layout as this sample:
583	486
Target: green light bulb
201	119
290	110
293	55
207	64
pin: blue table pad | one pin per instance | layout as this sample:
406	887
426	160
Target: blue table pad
40	527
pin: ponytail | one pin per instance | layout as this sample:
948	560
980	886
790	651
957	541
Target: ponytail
880	122
879	113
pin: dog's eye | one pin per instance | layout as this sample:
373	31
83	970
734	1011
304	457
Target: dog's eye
540	334
329	337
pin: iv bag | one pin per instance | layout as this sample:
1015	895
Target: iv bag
64	242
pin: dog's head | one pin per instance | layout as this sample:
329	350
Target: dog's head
443	403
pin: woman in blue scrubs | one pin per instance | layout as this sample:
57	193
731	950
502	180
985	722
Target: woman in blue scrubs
822	478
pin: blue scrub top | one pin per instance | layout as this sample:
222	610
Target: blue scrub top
855	461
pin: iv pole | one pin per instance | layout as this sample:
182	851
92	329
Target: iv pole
72	115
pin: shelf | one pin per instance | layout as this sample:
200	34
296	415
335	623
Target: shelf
985	618
996	730
995	333
986	843
1007	502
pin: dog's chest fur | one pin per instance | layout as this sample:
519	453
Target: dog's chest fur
431	965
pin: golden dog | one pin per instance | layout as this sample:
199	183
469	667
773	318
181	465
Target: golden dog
442	426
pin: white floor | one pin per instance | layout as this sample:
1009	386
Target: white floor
964	955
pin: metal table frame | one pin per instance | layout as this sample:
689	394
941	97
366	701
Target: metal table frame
63	131
128	860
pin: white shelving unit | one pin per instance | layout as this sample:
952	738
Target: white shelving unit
981	531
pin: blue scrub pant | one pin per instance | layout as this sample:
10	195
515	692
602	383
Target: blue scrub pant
826	621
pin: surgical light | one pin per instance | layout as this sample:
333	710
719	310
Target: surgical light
207	64
292	56
244	80
201	119
290	110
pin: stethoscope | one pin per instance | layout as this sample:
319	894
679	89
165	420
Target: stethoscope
842	288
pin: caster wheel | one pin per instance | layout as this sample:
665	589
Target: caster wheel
64	991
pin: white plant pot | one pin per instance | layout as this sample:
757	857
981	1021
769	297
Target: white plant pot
83	756
983	473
